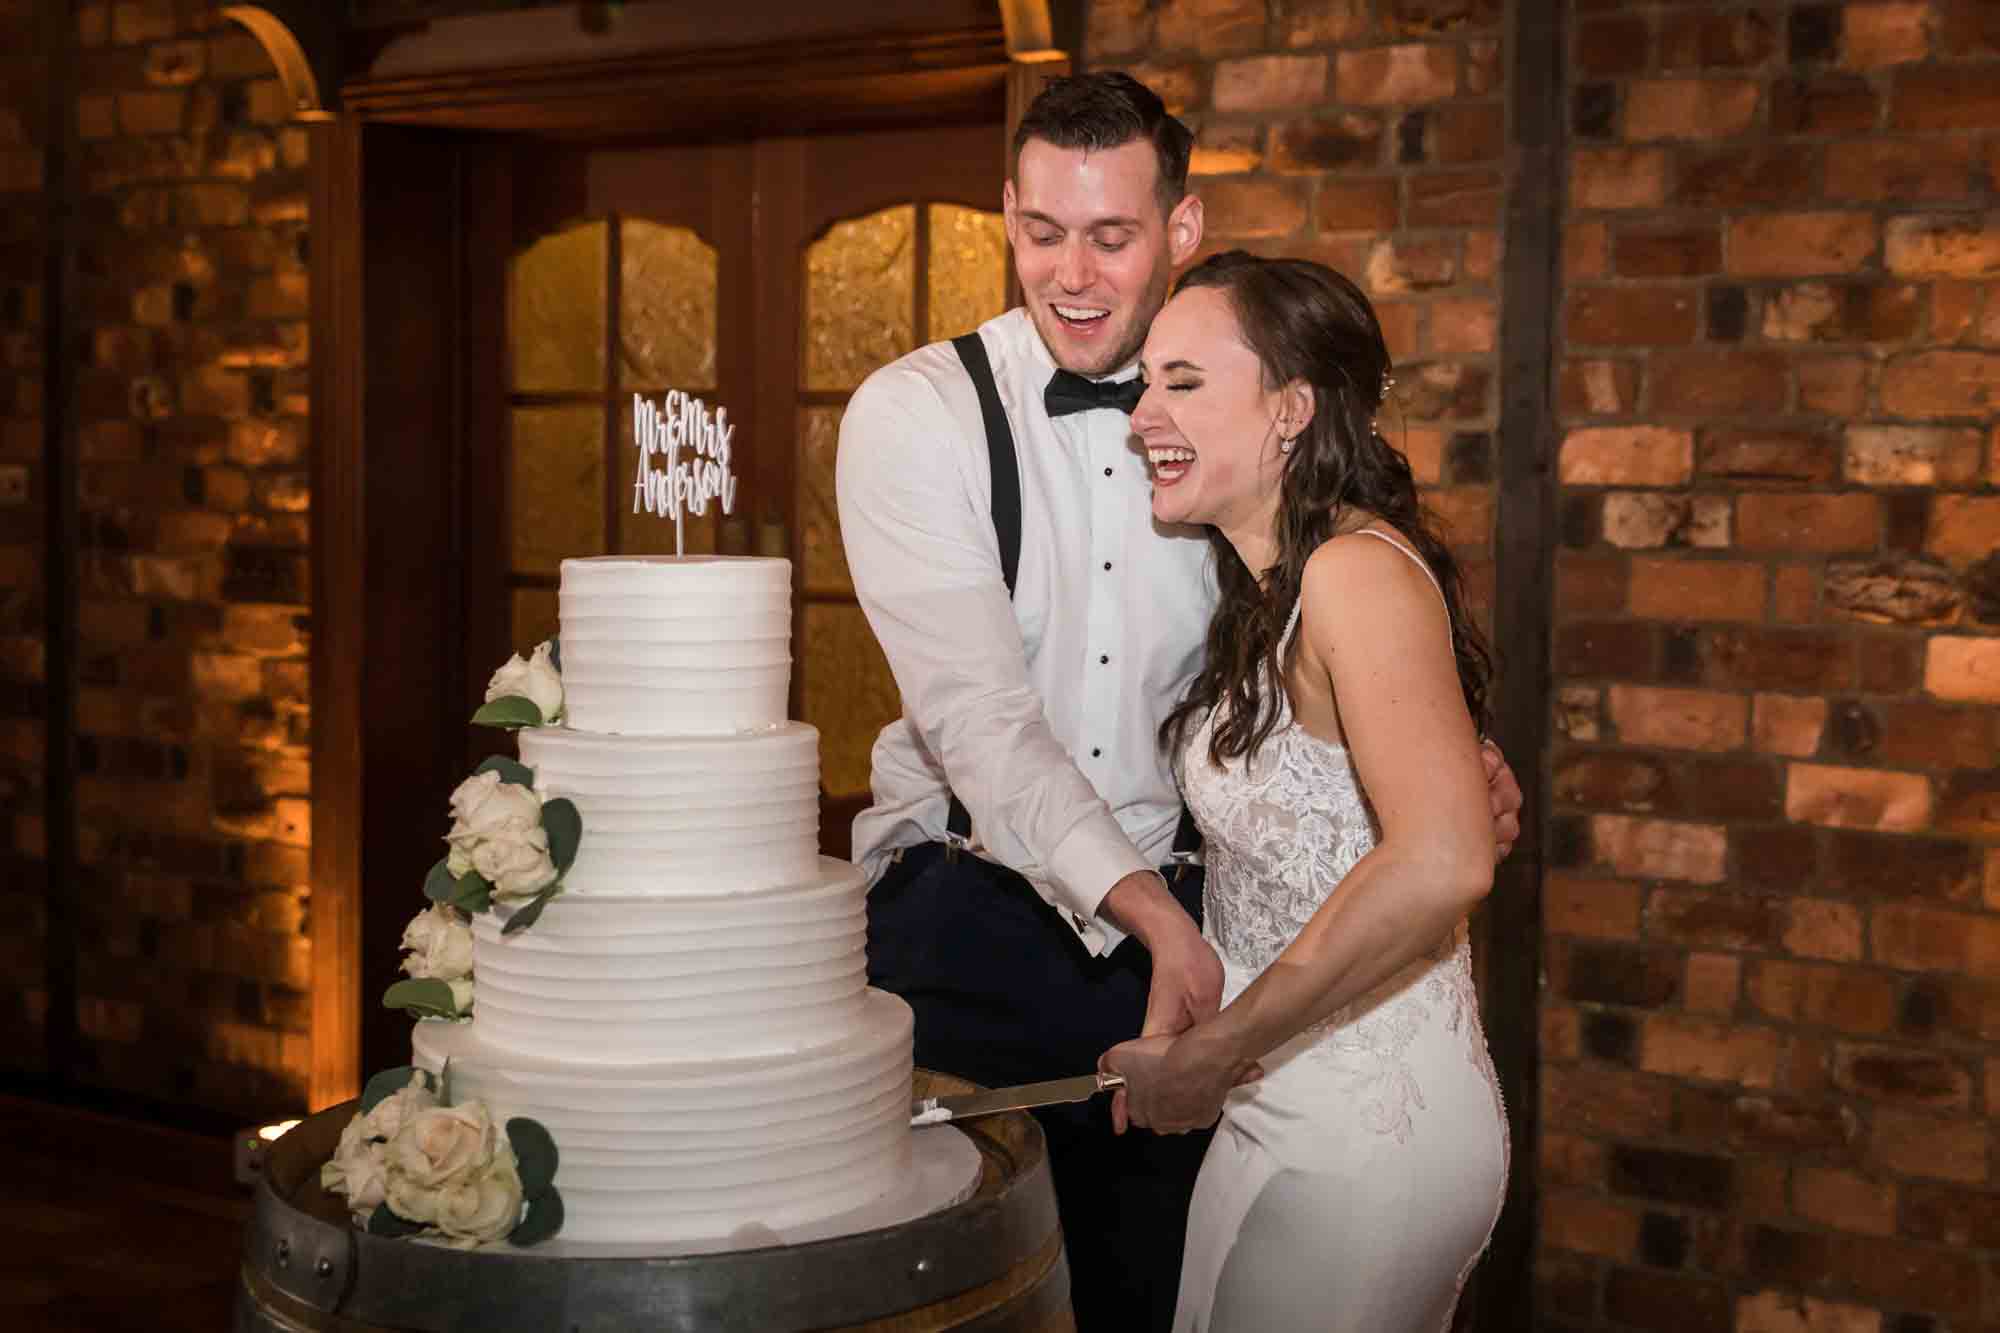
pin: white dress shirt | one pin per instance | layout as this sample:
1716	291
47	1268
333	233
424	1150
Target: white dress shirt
1043	714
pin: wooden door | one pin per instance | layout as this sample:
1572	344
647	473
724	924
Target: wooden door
766	277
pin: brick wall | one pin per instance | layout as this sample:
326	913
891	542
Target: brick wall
192	785
1771	1036
1368	137
23	709
1770	1065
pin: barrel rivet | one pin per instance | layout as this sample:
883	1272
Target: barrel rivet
284	1253
923	1267
324	1268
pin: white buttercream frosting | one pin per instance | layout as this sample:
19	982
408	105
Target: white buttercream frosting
675	645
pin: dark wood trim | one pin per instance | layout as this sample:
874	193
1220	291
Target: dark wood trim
1524	557
790	87
486	240
339	549
61	341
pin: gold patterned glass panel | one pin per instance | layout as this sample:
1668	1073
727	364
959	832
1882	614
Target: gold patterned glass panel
848	694
967	282
535	618
820	550
556	492
557	312
666	308
647	533
861	282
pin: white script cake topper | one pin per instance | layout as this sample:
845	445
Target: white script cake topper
681	485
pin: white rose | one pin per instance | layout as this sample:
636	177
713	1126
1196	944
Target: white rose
410	1201
516	868
536	680
483	1206
439	944
358	1168
441	1144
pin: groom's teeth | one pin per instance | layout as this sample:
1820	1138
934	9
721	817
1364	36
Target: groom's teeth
1073	312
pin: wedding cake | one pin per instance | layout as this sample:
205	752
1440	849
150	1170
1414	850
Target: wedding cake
690	1018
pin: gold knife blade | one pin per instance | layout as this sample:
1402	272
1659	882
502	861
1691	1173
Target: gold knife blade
1022	1097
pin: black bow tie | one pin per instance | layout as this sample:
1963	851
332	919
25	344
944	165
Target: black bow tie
1069	392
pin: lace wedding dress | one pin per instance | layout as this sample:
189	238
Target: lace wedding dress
1353	1186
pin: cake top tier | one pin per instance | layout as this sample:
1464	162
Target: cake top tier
675	645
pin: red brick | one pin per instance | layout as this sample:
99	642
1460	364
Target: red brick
1839	104
1226	150
1681	250
1800	244
1578	706
1610	780
1561	1033
1794	594
1626	456
1788	724
1567	1159
1945	97
1317	22
1845	1200
1482	255
1835	386
1789	1312
1954	310
1618	178
1586	248
1919	734
1712	982
1356	205
1945	383
1963	528
1411	263
1606	1102
1697	590
1899	171
1455	199
1353	140
1915	1145
1210	27
1463	327
1413	73
1770	520
1928	939
1913	455
1903	1075
1821	928
1587	1224
1751	456
1596	386
1713	382
1611	46
1597	908
1263	83
1849	312
1468	132
1873	35
1962	668
1181	86
1679	719
1891	592
1688	1047
1253	208
1689	108
1702	40
1631	316
1658	848
1943	246
1732	178
1857	797
1644	519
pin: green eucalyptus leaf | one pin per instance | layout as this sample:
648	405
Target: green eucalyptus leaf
544	1219
440	884
509	711
384	1222
388	1083
510	770
473	894
536	1153
565	829
426	997
527	916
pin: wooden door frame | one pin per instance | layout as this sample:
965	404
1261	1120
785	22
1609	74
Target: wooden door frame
362	720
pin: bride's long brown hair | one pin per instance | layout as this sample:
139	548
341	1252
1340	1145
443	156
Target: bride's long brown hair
1306	322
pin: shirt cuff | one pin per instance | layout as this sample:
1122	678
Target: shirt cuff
1091	859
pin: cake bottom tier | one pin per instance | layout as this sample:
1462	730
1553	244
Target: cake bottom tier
688	1150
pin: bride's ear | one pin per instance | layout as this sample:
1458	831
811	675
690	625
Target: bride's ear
1295	408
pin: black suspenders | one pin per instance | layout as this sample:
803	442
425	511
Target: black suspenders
1006	475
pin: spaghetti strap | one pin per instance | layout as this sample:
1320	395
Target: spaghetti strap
1419	560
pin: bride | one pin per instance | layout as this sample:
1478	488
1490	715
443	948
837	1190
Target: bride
1330	752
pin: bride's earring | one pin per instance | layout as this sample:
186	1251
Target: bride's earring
1285	443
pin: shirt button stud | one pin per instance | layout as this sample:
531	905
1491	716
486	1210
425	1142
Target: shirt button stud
1107	566
1107	472
1104	659
1095	753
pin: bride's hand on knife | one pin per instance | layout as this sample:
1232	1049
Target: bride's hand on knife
1173	1084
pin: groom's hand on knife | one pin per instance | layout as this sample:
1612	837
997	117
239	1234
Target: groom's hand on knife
1187	976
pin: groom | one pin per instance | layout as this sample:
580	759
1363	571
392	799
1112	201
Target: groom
1033	894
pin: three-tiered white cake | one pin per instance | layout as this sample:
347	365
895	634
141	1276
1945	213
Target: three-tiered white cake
690	1018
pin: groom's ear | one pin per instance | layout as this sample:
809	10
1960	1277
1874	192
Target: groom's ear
1009	217
1184	226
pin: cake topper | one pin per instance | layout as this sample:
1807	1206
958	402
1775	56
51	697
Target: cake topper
681	484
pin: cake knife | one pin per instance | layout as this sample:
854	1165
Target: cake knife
1022	1097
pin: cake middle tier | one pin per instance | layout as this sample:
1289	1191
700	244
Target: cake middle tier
673	815
619	978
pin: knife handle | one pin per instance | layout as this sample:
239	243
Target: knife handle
1106	1082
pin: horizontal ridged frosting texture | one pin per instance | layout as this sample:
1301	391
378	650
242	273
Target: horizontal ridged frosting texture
684	814
669	645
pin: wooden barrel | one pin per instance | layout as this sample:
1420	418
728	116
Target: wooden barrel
993	1263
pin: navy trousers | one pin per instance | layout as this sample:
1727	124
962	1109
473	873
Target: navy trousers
1004	993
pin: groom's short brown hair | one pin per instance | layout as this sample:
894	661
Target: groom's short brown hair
1108	109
